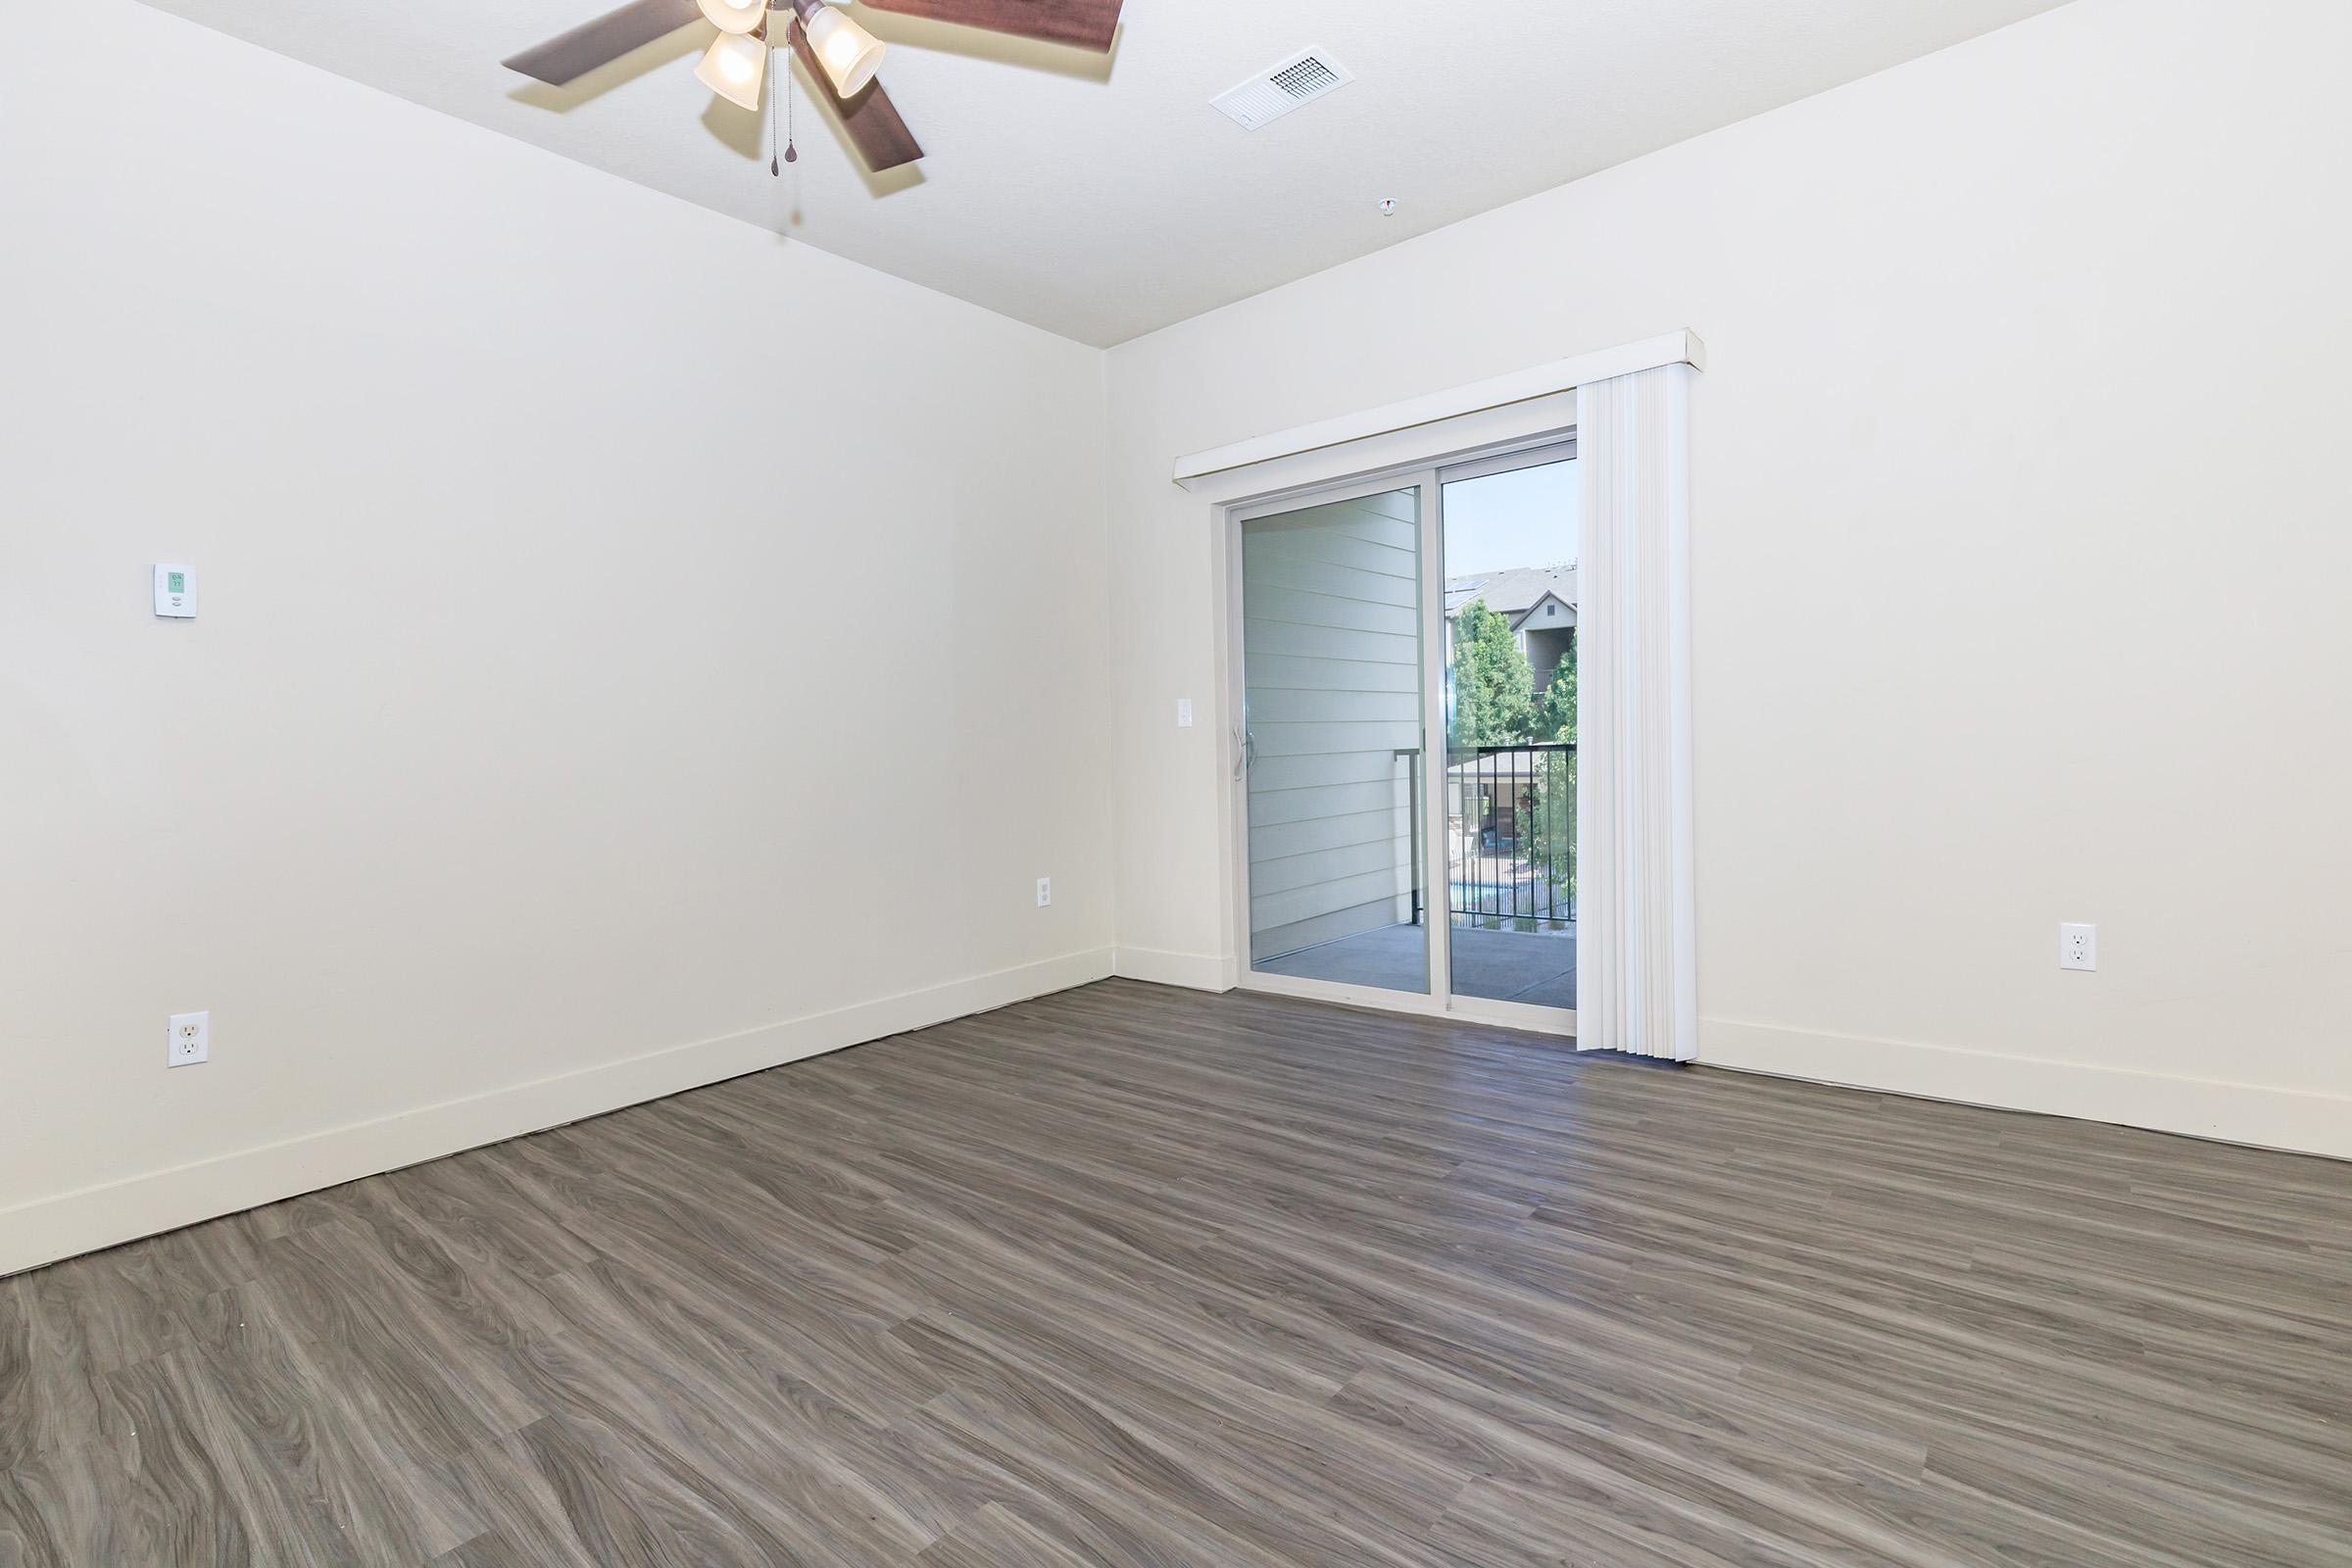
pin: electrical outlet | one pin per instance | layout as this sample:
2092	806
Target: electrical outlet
191	1040
1184	712
2077	947
1045	891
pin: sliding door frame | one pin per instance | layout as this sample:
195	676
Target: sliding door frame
1436	871
1423	482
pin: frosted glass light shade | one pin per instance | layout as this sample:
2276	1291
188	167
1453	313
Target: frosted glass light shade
733	68
729	17
849	54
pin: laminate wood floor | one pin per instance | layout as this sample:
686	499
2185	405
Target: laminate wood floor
1142	1276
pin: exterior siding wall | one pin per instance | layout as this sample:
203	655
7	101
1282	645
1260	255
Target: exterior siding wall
1331	612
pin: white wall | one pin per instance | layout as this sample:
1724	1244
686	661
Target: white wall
542	748
2023	552
623	634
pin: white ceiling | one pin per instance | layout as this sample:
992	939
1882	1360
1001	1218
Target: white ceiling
1102	199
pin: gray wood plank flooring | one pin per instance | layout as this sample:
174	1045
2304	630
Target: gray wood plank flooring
1140	1276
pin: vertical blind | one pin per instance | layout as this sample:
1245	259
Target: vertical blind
1637	980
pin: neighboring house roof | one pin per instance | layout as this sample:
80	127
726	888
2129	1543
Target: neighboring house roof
1550	610
1512	592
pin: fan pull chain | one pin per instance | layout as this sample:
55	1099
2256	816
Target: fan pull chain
792	154
772	167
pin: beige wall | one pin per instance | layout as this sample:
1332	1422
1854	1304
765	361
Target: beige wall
632	649
2021	555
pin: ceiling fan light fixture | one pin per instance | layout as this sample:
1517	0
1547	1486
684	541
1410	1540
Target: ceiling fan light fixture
728	16
733	68
849	54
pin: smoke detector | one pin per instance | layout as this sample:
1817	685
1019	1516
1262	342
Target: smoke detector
1279	88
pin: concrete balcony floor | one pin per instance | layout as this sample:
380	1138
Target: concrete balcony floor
1536	967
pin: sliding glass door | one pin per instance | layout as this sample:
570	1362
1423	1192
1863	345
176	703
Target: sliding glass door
1331	754
1508	534
1373	620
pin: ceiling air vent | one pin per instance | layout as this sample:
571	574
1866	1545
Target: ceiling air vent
1272	94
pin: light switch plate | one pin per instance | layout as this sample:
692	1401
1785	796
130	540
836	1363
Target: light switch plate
175	590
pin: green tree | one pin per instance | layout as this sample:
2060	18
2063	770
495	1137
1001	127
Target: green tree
1494	688
1556	721
1555	711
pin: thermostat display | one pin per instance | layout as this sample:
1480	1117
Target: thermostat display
175	591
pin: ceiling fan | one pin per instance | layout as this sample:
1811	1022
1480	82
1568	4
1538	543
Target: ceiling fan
841	56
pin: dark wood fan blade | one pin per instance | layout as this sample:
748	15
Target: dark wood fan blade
1085	23
604	40
873	121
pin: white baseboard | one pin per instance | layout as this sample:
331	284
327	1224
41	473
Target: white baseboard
61	1225
2200	1107
1201	972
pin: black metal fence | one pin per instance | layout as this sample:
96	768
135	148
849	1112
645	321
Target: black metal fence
1510	817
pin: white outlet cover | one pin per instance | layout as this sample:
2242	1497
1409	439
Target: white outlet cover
189	1040
1045	891
1184	712
2078	945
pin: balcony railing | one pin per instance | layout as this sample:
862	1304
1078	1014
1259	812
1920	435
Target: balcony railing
1510	818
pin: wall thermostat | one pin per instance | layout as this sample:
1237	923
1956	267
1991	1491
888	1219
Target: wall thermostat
175	591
